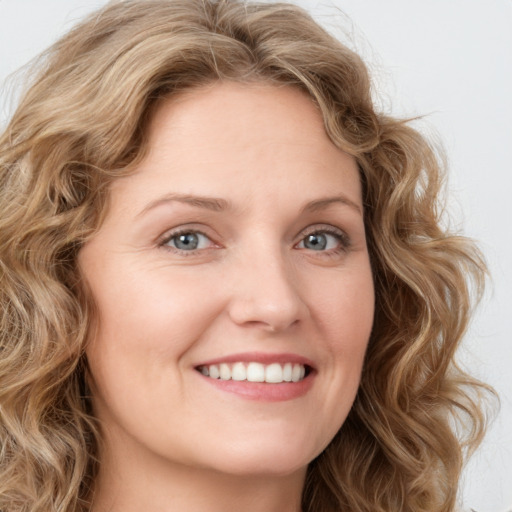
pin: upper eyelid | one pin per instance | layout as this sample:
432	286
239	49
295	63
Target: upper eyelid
323	228
184	228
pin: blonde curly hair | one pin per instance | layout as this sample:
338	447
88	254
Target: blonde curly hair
83	123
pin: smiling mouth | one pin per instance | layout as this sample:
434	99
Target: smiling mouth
274	373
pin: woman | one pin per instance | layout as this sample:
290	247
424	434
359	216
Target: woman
225	285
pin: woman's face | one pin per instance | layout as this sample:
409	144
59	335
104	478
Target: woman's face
233	286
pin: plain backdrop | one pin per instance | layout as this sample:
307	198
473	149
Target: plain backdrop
450	60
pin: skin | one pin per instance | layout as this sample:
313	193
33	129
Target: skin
173	440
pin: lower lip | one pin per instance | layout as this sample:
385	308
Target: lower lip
262	391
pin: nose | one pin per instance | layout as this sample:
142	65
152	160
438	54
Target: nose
266	294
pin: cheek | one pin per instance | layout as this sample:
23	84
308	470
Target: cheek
149	308
145	325
141	349
344	307
343	310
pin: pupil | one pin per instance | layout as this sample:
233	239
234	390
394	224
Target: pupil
186	241
316	242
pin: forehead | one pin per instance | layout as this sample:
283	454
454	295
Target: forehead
242	139
250	102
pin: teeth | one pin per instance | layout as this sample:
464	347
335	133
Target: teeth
287	372
213	372
239	372
225	372
255	372
274	373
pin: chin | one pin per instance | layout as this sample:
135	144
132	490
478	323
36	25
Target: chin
264	459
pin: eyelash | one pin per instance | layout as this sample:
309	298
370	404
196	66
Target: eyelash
342	238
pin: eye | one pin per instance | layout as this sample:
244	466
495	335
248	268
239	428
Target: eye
187	241
324	241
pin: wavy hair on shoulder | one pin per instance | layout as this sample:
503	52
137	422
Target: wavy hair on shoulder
83	123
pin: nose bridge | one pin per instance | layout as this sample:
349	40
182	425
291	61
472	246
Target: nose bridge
265	291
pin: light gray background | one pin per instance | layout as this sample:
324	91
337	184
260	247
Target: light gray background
449	59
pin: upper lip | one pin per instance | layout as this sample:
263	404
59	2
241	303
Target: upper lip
260	357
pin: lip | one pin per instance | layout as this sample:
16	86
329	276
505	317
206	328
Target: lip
262	391
260	357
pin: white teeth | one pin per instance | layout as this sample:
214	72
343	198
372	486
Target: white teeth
213	371
287	372
238	372
255	372
274	373
225	372
296	371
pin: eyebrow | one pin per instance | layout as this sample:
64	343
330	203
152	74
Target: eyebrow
218	204
208	203
322	204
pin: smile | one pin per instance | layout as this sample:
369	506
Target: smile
274	373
